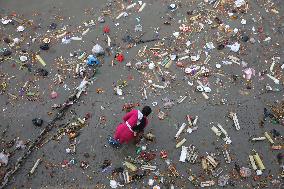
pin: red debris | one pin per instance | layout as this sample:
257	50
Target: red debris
106	29
119	57
163	154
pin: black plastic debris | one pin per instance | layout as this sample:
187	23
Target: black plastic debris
37	122
245	38
7	52
220	47
106	164
7	40
275	133
44	46
118	170
41	72
280	157
53	26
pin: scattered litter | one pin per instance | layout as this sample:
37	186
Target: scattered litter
205	65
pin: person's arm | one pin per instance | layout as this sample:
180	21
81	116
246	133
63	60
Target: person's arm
128	115
142	131
146	123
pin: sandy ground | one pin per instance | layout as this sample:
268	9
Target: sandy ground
16	116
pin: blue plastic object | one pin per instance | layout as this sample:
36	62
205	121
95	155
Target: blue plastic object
92	60
113	142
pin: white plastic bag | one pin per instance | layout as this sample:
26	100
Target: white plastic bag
97	49
3	159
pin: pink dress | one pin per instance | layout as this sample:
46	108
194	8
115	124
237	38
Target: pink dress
123	133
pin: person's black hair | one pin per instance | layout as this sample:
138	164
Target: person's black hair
145	111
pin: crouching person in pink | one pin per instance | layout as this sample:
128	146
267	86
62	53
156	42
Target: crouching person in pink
133	124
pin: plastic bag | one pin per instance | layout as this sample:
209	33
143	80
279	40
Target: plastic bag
98	50
3	159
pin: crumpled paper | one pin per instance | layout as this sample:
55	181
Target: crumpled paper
248	73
